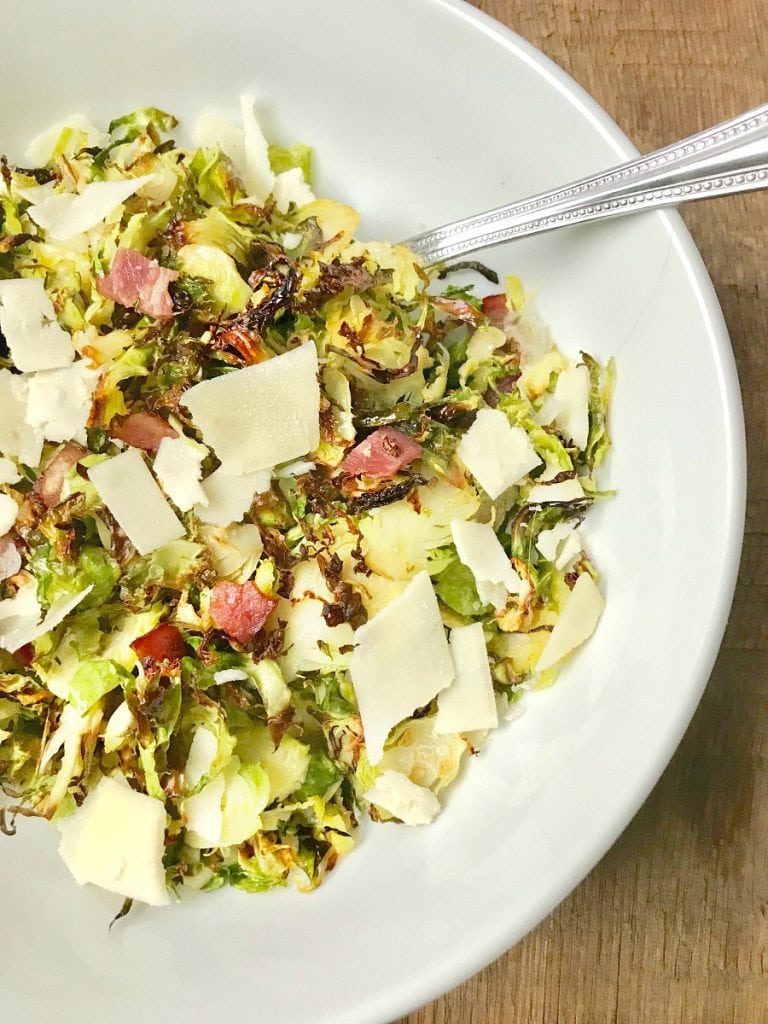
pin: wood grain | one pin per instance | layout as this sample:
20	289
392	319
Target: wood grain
672	926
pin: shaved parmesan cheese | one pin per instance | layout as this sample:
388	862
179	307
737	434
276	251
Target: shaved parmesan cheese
469	702
394	793
20	621
230	675
290	187
18	616
262	415
9	512
36	339
35	193
401	661
566	490
4	734
213	130
130	492
258	174
568	405
9	474
229	496
116	840
497	454
17	437
235	550
480	550
178	466
560	544
41	148
202	754
577	622
310	643
67	214
10	559
59	401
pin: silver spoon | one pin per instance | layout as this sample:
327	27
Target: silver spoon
731	157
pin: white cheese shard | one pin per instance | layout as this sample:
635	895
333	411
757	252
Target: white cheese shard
17	438
35	193
565	490
9	512
20	616
235	550
36	340
310	644
262	415
394	793
213	130
230	675
228	496
178	466
68	214
291	187
257	172
469	703
132	495
576	624
561	544
59	401
41	148
568	405
9	474
497	454
401	662
480	550
116	840
291	240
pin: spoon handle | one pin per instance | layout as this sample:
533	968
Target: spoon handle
731	157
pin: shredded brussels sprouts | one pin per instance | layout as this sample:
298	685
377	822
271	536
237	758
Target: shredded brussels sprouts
215	674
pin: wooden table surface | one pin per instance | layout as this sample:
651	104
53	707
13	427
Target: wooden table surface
672	926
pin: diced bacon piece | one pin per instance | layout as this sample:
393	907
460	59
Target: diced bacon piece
163	643
135	281
25	655
50	482
240	609
495	308
382	454
143	430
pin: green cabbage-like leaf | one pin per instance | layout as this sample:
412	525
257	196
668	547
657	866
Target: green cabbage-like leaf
93	680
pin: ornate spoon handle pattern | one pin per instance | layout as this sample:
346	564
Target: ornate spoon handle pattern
731	157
